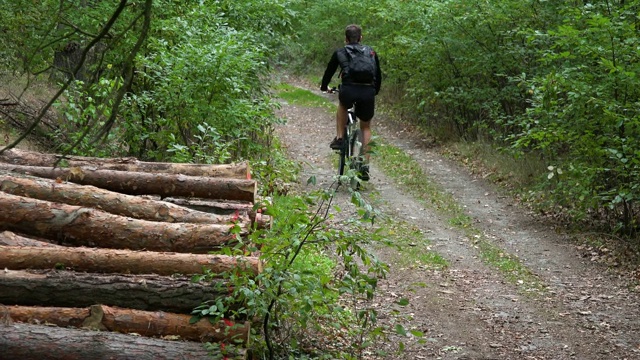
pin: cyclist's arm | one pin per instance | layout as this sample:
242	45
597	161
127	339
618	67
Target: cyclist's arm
331	69
378	74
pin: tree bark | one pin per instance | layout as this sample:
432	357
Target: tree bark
79	226
127	321
257	217
7	238
141	183
212	206
176	294
32	158
123	261
109	201
25	341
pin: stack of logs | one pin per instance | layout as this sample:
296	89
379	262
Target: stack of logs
112	245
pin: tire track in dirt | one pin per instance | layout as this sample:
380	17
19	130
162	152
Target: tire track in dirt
469	311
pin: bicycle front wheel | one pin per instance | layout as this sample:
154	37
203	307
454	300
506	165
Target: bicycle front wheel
356	149
356	159
344	154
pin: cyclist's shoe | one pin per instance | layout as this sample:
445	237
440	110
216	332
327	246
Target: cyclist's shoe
364	173
336	144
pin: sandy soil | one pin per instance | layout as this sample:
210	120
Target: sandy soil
470	311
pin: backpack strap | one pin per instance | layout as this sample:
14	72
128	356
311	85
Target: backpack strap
343	58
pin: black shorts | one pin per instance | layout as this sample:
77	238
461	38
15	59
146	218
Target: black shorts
362	96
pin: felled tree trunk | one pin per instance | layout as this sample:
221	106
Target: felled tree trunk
141	183
123	261
212	206
25	341
109	201
79	226
145	323
32	158
260	220
7	238
176	294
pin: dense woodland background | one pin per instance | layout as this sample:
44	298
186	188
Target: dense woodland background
551	84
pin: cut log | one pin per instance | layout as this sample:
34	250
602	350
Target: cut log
123	261
141	183
145	323
32	158
25	341
257	217
112	202
212	206
176	294
80	226
7	238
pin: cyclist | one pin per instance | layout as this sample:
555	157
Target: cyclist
353	90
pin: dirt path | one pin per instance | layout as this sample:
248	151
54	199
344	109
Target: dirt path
470	311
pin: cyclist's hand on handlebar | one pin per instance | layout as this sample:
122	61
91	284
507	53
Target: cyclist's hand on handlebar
328	90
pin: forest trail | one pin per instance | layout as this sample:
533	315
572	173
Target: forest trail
470	310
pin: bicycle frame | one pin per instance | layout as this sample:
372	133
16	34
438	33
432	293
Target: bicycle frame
352	149
351	152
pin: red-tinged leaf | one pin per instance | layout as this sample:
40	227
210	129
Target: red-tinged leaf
228	322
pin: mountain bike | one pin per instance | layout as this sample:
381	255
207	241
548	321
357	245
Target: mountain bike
351	152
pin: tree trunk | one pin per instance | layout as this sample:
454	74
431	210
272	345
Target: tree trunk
212	206
25	341
7	238
257	217
123	261
79	226
127	321
32	158
141	183
176	294
109	201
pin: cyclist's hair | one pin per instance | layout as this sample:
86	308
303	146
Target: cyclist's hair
353	33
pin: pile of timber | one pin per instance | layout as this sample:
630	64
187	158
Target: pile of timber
98	256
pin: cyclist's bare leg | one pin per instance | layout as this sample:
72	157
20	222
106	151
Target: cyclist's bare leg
365	127
341	119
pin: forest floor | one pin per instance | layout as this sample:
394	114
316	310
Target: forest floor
470	309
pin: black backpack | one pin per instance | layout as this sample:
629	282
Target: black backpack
358	64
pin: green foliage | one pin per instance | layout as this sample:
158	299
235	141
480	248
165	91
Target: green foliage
553	80
584	112
210	76
83	110
196	88
316	284
22	24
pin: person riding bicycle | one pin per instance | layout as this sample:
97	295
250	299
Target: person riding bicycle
361	80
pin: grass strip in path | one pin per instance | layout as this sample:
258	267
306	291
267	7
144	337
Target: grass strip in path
302	97
401	167
406	171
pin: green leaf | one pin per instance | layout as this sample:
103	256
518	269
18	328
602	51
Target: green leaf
400	330
403	302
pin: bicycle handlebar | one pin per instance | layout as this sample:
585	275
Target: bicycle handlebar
332	90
